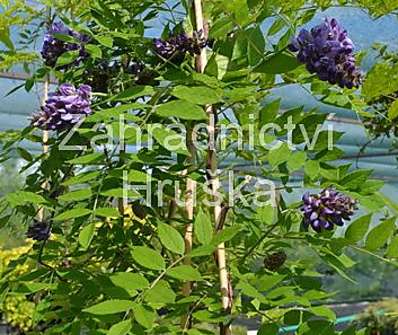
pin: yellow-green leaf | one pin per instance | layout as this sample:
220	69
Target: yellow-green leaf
203	228
76	195
129	281
144	315
200	95
358	229
392	251
184	272
171	238
379	235
72	214
393	110
107	212
181	109
86	235
112	306
121	328
148	258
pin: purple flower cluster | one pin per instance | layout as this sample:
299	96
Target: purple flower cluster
39	231
64	108
180	44
328	51
53	47
326	209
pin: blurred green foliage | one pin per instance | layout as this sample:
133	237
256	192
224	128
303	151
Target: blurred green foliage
381	318
12	235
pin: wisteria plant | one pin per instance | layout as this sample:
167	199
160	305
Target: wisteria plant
164	197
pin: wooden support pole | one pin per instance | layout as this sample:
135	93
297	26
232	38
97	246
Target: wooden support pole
212	166
44	97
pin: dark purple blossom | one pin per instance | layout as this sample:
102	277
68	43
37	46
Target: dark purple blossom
328	51
54	47
64	108
180	44
326	209
39	231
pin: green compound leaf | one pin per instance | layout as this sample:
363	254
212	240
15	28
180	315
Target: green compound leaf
73	214
392	251
171	238
169	139
76	195
380	235
20	198
203	228
358	229
184	272
129	281
107	212
148	258
86	235
199	95
110	307
161	293
144	315
121	328
181	109
279	63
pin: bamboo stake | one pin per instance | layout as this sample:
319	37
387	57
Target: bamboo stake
189	208
200	62
212	165
45	137
121	202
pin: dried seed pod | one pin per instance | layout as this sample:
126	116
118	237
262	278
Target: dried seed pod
180	44
274	261
39	231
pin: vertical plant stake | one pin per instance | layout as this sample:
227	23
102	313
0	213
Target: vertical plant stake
45	133
200	61
45	137
189	206
212	170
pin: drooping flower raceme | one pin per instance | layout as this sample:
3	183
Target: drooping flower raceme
326	209
54	47
64	108
328	51
180	44
39	231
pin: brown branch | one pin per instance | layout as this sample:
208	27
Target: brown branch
172	209
223	216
